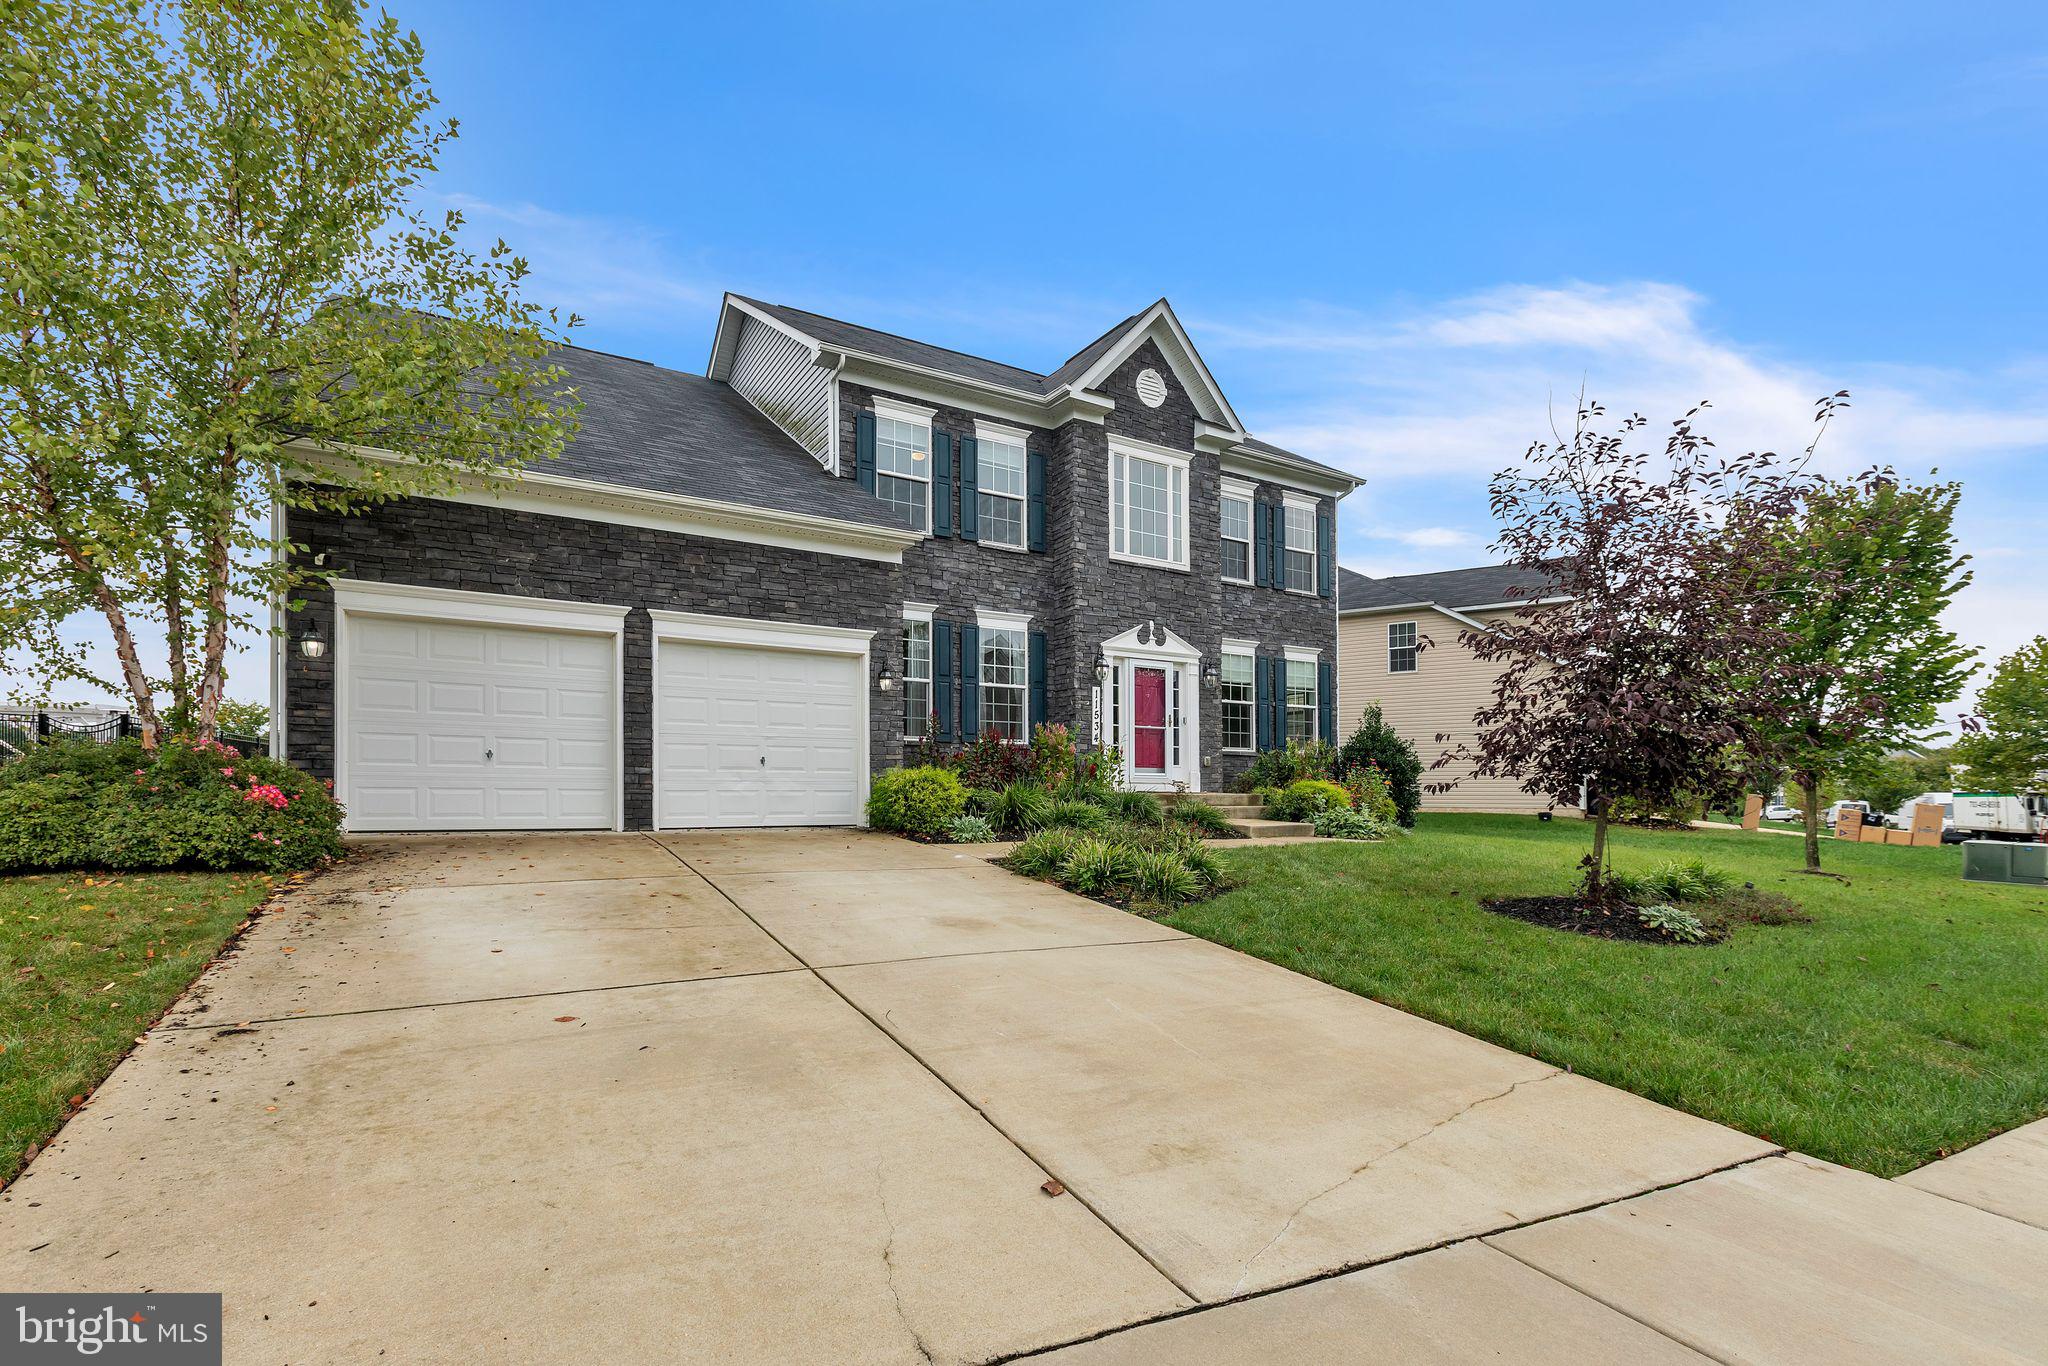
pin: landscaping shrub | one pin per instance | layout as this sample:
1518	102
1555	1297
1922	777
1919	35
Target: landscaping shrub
1690	879
916	801
1134	808
1098	867
1052	755
1020	806
1163	875
1044	854
1204	864
1199	817
1300	801
1282	767
1145	866
1074	815
1371	794
80	804
982	800
992	761
1345	823
1674	922
970	830
1378	745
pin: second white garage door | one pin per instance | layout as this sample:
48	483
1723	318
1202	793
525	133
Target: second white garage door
750	736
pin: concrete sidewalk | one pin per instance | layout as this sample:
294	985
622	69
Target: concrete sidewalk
800	1096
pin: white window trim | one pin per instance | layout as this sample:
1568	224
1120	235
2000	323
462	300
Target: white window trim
920	613
706	629
1005	621
985	430
1414	626
989	620
1301	654
1241	649
1130	448
355	597
1314	507
917	416
1246	492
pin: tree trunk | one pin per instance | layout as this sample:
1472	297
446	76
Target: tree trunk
1809	785
213	663
175	634
131	665
1596	862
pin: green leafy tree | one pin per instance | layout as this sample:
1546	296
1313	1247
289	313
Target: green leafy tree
1866	666
2007	747
216	289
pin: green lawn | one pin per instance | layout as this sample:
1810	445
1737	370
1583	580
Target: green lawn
91	960
1910	1019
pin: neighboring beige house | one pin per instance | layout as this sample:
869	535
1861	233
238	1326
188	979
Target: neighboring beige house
1398	644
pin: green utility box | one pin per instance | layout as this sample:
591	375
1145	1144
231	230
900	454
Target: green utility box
2001	861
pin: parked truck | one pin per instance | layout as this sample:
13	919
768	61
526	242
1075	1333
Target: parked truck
2000	816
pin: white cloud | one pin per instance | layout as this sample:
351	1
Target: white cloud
1429	537
605	270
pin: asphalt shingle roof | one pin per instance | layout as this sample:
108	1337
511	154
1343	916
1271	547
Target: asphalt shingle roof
1457	588
646	427
889	346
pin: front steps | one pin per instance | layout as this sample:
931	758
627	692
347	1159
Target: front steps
1246	815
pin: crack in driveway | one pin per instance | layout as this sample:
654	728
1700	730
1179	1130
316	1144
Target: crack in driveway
1374	1161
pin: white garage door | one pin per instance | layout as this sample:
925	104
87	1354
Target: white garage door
451	726
748	736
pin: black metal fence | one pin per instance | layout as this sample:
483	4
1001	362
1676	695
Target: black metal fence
21	731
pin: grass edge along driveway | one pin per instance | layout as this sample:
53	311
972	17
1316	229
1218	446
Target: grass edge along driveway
1905	1022
91	961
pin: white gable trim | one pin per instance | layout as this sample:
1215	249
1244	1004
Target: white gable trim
1170	647
1159	324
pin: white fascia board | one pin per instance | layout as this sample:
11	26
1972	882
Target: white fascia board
1526	602
1250	464
956	391
725	341
464	605
708	629
555	495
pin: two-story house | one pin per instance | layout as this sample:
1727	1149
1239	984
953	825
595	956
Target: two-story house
736	596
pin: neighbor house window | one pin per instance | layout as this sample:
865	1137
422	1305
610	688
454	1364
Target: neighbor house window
1300	527
1148	511
1301	699
1401	647
1005	679
999	475
1236	698
917	679
1237	535
903	467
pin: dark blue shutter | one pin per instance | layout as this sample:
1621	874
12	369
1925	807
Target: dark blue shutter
942	678
1034	466
968	509
1262	707
1276	550
942	484
1326	701
864	450
1262	560
970	681
1037	680
1326	552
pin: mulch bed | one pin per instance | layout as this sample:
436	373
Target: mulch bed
1600	922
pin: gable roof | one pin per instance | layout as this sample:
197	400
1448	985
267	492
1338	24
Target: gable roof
1457	589
646	427
1080	372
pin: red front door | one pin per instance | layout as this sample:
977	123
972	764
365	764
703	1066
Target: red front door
1148	720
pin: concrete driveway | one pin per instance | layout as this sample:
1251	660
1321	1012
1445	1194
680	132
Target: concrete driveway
799	1096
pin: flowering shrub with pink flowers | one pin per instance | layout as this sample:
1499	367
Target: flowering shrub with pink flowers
83	805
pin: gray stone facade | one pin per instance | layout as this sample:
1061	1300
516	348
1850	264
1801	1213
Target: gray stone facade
1074	592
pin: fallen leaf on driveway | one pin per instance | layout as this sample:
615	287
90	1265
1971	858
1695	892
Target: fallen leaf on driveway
1053	1188
565	1019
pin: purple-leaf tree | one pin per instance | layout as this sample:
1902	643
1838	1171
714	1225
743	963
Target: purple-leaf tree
1645	665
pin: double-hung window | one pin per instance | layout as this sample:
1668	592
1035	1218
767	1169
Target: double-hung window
1301	698
1000	479
903	467
1237	695
917	676
1237	532
1401	647
1148	506
1005	680
1299	526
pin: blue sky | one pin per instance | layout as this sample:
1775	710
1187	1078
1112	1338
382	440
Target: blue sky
1398	233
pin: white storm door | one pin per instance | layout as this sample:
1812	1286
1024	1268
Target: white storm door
752	736
459	726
